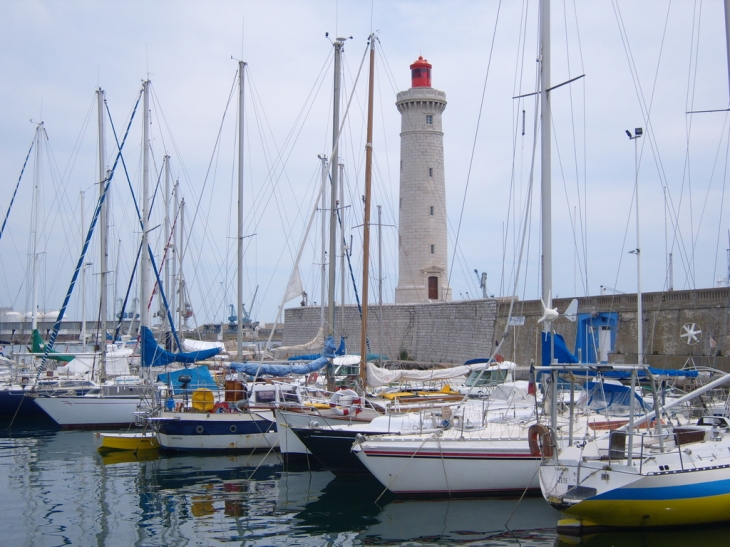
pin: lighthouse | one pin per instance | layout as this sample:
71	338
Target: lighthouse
422	250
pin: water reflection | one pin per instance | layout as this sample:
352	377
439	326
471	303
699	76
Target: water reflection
714	536
60	491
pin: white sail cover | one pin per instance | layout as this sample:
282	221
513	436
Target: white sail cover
117	363
380	377
284	352
190	344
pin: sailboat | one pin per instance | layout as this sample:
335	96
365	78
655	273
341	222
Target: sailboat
238	423
668	476
110	404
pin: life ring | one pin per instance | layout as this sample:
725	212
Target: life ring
312	378
540	441
346	402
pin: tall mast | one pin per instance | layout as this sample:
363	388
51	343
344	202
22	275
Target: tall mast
727	38
175	256
545	135
166	275
83	275
103	234
343	249
366	218
380	283
144	282
334	164
239	260
181	254
36	220
323	256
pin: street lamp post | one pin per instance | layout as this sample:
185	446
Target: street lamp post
640	312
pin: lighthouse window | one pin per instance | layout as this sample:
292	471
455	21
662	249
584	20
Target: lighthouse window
429	119
430	210
430	171
416	73
433	249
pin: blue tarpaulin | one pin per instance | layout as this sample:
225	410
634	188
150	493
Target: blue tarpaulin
200	377
562	353
600	396
342	350
154	355
261	369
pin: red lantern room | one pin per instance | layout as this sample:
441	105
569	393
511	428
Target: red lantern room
421	73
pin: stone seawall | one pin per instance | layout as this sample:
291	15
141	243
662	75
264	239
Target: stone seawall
444	332
453	332
664	316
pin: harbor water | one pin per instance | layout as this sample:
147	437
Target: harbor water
59	490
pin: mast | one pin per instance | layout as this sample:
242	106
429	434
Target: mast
144	282
545	151
36	217
239	260
323	255
103	235
545	191
380	283
334	164
175	257
366	218
343	249
181	286
166	275
83	276
727	38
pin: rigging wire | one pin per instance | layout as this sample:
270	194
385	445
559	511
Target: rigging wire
474	142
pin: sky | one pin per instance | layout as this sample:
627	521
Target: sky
643	64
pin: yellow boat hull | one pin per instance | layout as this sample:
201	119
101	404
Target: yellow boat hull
128	441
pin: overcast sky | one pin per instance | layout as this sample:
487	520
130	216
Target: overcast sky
645	64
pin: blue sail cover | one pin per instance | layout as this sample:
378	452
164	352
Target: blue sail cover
200	377
601	397
673	373
562	353
155	355
342	350
260	369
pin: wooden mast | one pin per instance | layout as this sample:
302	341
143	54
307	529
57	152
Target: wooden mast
366	219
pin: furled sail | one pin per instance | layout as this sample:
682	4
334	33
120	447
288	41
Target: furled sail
382	377
260	369
39	346
156	356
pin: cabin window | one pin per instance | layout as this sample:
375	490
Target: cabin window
429	119
433	286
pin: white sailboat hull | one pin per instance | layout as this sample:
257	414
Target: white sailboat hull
430	466
91	411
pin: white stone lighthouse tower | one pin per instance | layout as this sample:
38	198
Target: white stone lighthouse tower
422	252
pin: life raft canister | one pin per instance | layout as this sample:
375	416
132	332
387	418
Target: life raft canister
346	402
